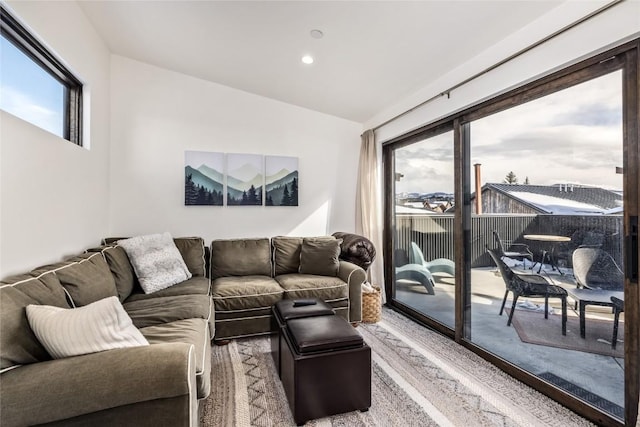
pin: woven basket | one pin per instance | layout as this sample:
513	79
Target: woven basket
371	306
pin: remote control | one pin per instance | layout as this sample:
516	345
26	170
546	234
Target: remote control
303	302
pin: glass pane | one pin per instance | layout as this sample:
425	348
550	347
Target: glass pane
424	227
28	91
550	207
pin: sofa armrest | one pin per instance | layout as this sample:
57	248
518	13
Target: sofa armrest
354	276
64	388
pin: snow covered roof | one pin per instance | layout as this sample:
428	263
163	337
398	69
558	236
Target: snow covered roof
556	205
563	199
415	211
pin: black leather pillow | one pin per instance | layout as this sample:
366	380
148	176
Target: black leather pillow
320	256
356	249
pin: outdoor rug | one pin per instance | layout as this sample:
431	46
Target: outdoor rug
533	328
419	378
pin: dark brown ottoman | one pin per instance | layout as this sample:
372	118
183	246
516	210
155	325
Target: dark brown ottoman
325	368
285	310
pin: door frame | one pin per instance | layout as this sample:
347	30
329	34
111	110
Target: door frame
624	57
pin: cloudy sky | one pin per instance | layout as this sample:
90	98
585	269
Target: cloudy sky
571	136
42	102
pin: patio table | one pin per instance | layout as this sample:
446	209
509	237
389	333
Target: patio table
585	297
551	240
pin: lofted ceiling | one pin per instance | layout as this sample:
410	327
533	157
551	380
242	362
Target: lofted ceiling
373	53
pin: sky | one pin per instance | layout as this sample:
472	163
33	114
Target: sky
274	164
195	159
244	166
29	92
571	136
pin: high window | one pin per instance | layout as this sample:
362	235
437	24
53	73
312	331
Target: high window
35	85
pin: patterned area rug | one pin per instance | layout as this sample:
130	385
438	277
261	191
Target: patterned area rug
419	378
533	328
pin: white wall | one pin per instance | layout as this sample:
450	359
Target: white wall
158	114
54	195
621	22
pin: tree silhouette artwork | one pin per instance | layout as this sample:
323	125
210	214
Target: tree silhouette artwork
281	182
199	195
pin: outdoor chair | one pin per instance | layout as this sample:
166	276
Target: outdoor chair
618	307
438	265
518	251
417	273
595	269
416	269
530	286
579	239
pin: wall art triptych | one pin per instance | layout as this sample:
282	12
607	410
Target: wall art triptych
214	179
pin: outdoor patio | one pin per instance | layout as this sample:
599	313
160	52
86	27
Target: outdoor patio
592	377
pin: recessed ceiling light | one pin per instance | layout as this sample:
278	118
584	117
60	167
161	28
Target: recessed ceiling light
307	59
316	34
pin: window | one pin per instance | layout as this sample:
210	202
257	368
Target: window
35	86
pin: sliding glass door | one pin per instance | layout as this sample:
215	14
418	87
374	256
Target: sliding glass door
423	239
512	227
549	203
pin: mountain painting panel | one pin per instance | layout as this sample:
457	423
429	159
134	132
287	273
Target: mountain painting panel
203	178
281	182
245	179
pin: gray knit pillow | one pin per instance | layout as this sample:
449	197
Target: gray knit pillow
156	261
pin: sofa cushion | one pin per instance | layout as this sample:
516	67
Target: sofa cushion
155	311
240	257
121	269
311	286
195	286
49	267
156	261
320	256
87	279
245	293
18	343
286	254
191	331
9	280
99	326
192	251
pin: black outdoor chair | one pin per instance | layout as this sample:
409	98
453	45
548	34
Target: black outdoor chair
531	286
518	251
595	269
618	307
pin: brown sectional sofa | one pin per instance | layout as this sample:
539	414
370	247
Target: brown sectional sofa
159	384
249	276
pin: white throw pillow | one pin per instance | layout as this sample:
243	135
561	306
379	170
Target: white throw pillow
101	325
156	261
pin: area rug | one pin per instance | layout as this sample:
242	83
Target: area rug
533	328
419	378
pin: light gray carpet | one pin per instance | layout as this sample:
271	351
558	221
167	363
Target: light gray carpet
419	378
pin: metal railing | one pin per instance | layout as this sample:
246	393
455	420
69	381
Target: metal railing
434	233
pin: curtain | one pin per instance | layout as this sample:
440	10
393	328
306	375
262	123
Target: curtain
369	206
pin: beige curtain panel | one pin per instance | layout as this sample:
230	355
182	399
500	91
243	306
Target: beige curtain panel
368	204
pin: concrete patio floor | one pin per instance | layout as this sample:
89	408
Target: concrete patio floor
601	375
